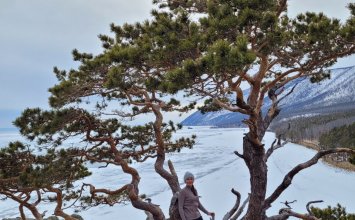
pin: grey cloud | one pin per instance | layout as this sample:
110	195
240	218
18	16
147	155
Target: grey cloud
332	8
39	34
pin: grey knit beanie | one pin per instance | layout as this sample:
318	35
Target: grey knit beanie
188	175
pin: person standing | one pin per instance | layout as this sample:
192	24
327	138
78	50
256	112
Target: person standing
188	201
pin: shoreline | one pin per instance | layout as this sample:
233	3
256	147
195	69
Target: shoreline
347	166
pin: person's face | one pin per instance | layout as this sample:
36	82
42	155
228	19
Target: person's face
189	181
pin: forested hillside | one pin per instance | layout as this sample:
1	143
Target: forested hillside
343	136
322	132
312	126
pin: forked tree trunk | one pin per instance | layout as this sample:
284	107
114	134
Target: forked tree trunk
254	158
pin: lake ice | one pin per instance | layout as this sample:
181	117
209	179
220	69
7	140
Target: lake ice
217	169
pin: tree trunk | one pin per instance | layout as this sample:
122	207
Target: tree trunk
254	159
171	177
62	214
174	208
35	212
58	211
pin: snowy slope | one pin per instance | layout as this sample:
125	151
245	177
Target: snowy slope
338	90
335	94
217	170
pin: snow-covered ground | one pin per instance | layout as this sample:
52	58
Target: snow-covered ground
217	170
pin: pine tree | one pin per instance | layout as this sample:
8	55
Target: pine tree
255	42
28	179
203	48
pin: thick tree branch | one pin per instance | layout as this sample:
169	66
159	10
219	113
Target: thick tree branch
159	163
39	198
171	168
58	211
274	109
24	202
94	191
256	97
289	176
287	212
231	108
282	7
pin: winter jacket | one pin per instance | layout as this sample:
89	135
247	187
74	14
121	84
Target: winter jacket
189	204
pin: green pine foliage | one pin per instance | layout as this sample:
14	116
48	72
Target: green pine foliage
144	65
332	213
343	136
22	171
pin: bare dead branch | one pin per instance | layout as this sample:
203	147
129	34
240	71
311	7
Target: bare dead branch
239	155
235	207
291	91
287	203
79	196
274	110
274	147
241	209
289	176
171	168
311	202
285	213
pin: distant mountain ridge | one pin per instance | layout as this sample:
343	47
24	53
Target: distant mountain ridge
336	94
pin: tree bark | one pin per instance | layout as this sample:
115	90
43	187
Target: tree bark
35	212
254	159
24	203
174	209
22	212
170	177
58	211
149	207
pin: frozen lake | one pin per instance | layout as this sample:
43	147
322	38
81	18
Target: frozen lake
217	169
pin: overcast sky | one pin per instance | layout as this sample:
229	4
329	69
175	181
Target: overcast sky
37	35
